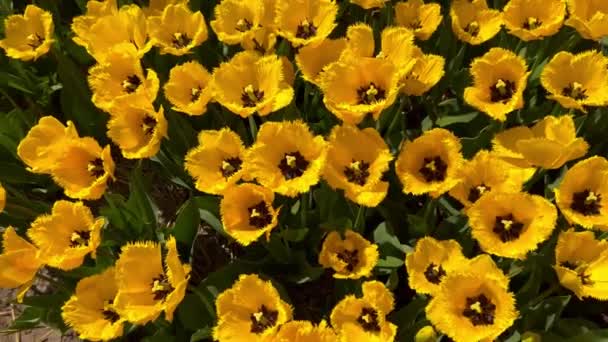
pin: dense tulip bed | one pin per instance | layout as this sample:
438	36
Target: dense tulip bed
306	170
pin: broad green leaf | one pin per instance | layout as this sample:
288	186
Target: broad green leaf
187	222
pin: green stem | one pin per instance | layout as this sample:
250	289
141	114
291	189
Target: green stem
396	116
360	219
10	99
303	209
253	127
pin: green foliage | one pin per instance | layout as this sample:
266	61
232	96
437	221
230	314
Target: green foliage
152	199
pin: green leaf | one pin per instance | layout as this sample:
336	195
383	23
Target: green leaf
405	318
209	211
30	318
187	222
192	315
139	200
201	334
76	100
545	313
294	234
590	336
162	335
279	251
390	262
454	119
382	236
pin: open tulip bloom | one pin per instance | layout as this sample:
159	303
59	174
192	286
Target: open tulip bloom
305	170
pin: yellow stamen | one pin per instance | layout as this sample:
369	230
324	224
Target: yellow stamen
472	28
591	198
159	286
501	86
255	213
476	307
305	24
577	89
431	165
532	23
250	91
33	38
507	224
372	91
367	318
258	316
226	166
291	160
107	306
75	237
356	166
91	167
242	25
481	189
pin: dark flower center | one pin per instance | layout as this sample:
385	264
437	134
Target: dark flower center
357	172
95	168
351	258
502	91
259	215
131	84
195	94
586	202
34	40
243	25
80	238
580	268
569	265
477	191
434	273
306	29
532	23
434	169
415	25
251	96
575	90
370	94
108	312
369	319
293	165
507	228
230	166
480	310
472	28
180	40
263	319
148	125
161	287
